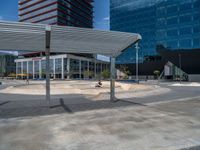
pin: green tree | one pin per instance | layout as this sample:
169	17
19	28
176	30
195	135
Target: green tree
156	73
43	73
125	70
105	74
88	74
2	71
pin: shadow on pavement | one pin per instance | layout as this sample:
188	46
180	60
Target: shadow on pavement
62	104
3	103
23	108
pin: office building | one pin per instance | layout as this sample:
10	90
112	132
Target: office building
171	24
77	13
7	65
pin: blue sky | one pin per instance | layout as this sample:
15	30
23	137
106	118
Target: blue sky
101	13
9	12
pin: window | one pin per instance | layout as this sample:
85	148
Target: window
185	31
185	19
58	65
36	67
196	29
19	68
196	42
74	65
172	21
30	67
172	32
185	7
172	44
185	43
172	9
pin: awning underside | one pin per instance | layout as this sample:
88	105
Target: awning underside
31	37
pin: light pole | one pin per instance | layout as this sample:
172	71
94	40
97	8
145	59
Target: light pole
137	49
179	56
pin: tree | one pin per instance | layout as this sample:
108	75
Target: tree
2	71
105	74
125	70
156	73
43	73
88	74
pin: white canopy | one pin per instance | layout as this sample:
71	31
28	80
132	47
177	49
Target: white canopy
31	37
22	36
39	37
83	40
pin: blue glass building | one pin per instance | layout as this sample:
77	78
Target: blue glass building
174	24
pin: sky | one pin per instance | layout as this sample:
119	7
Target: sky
9	12
101	14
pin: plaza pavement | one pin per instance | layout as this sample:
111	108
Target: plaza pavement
167	122
168	126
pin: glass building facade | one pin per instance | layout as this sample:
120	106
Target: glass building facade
78	13
62	66
7	65
174	24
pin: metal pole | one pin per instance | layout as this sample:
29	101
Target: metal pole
16	70
80	70
40	69
47	52
54	68
112	79
22	71
68	68
179	67
33	69
27	71
62	73
95	69
137	48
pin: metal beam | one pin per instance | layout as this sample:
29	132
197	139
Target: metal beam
112	79
47	52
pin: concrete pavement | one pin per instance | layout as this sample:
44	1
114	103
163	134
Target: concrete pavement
170	121
168	126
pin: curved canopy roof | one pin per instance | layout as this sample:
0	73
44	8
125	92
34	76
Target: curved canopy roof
31	37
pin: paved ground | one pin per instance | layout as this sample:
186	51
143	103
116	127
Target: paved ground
168	126
167	122
15	105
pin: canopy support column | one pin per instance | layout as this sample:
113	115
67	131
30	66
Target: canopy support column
47	52
62	69
137	67
112	79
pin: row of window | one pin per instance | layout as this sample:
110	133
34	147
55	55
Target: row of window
182	43
36	6
27	67
38	12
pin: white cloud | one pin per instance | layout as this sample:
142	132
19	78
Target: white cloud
103	58
106	18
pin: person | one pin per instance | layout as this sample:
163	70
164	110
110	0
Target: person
27	81
99	84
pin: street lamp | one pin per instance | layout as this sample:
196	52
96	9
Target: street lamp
137	49
179	56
